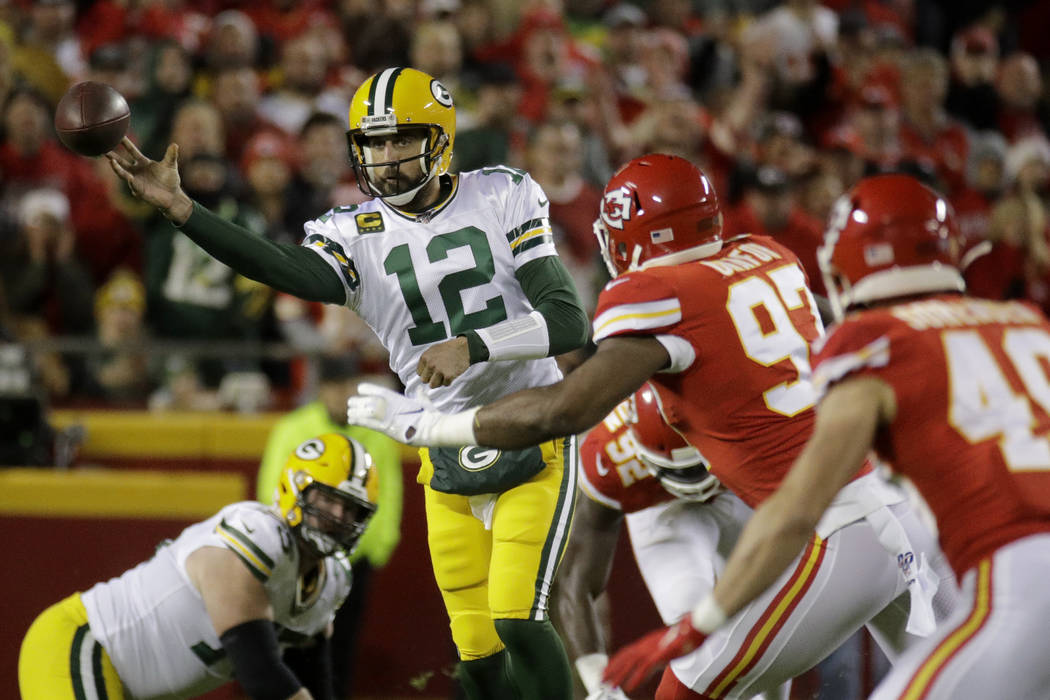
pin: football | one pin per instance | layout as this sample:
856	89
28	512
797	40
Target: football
91	118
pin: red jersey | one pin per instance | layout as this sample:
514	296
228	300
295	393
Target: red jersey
610	470
972	429
738	326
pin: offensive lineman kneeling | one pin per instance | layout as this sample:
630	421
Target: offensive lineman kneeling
219	602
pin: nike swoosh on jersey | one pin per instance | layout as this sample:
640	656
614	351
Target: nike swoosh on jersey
613	283
543	202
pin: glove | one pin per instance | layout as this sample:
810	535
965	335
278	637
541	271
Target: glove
590	667
631	665
408	420
605	692
388	412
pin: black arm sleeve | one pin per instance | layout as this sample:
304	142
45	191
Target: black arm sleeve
551	291
256	657
286	268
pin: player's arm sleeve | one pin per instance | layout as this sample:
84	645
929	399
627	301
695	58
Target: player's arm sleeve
256	658
552	293
286	268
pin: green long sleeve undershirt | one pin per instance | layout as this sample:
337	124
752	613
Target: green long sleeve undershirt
301	272
285	267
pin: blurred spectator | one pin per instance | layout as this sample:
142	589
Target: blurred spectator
121	373
622	55
48	54
280	20
324	178
268	165
974	64
818	191
233	41
301	89
379	35
927	133
190	295
554	159
606	141
30	158
1023	109
237	94
875	125
113	65
166	84
798	34
495	125
769	208
543	53
45	283
182	388
437	50
779	142
997	273
197	128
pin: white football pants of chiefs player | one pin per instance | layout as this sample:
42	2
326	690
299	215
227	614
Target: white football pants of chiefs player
847	578
994	645
681	547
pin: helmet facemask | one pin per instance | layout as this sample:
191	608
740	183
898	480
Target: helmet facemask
432	144
330	519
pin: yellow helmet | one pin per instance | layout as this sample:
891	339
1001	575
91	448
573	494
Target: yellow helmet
399	100
328	492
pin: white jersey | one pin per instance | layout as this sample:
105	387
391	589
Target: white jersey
421	280
152	621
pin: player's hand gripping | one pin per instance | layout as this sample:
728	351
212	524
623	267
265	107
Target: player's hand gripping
405	419
630	666
154	182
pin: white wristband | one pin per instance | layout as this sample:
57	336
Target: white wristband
708	615
590	667
446	430
523	338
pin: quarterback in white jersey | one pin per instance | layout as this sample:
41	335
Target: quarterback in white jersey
221	600
458	276
443	274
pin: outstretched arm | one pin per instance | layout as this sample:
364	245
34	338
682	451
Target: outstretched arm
285	267
525	418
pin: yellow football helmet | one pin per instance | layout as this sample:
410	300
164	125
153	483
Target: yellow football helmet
328	492
401	101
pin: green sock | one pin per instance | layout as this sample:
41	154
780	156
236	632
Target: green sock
538	662
487	678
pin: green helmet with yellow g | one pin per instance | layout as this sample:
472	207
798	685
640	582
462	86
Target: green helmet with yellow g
408	103
327	493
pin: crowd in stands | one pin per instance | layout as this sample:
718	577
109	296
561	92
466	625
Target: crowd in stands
783	104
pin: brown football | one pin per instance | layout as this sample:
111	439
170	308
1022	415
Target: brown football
92	118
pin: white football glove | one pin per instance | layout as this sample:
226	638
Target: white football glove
606	693
590	667
408	420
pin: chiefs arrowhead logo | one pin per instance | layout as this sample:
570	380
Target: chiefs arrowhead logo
617	208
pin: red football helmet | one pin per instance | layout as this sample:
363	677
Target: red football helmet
889	236
657	210
679	466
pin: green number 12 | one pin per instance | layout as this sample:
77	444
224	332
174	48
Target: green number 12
426	330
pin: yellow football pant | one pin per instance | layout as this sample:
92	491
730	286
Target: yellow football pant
60	658
506	572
